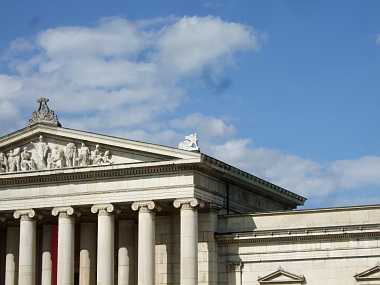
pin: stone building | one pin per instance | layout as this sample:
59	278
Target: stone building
83	208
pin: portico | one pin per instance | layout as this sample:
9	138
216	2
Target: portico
84	208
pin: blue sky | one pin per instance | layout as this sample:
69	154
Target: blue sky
286	90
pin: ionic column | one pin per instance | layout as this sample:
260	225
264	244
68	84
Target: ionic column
189	239
126	252
146	242
105	267
11	260
87	256
66	239
47	264
27	248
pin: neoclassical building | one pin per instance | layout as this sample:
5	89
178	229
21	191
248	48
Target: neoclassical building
83	208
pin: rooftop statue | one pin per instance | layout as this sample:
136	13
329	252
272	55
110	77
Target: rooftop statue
44	114
191	143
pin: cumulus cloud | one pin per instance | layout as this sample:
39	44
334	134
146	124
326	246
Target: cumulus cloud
303	176
129	70
206	126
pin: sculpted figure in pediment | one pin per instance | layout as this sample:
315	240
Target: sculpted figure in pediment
71	155
11	165
14	160
3	162
106	157
41	150
97	156
84	155
58	160
27	163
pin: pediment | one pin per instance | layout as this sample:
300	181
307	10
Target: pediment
281	276
370	274
62	147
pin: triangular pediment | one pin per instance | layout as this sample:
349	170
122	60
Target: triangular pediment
281	276
63	147
370	274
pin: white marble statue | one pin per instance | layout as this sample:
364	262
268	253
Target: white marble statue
11	165
27	163
106	157
3	162
16	159
71	154
84	155
191	142
41	152
97	156
58	160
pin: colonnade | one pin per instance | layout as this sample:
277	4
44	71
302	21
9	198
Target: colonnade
22	242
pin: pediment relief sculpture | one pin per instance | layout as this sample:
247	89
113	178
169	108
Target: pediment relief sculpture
42	155
281	276
45	144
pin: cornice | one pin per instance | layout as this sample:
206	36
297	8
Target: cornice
299	235
92	173
305	211
233	171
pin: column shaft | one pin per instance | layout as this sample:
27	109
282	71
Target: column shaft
146	242
105	249
27	249
189	240
66	237
105	261
47	264
87	257
189	246
126	253
11	262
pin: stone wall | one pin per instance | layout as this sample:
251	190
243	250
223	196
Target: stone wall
336	246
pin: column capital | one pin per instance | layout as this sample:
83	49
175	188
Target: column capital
104	209
188	203
25	215
143	206
62	212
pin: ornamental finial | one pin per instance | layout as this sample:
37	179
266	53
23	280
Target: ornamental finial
44	114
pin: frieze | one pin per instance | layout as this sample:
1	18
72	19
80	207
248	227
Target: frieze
352	232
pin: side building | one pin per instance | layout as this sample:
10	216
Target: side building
83	208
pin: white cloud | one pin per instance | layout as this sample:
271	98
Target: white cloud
9	85
130	70
193	41
355	172
206	126
303	176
